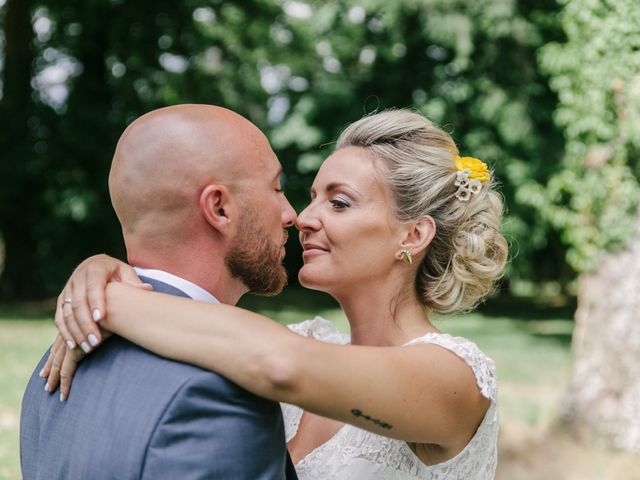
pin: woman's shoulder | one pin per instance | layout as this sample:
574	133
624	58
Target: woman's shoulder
483	367
320	329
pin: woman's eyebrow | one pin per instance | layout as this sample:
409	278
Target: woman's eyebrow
337	185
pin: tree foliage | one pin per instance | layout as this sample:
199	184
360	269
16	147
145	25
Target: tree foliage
593	199
300	70
469	66
593	196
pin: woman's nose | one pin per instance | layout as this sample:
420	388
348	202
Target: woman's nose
307	219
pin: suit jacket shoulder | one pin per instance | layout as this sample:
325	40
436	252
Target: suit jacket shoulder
131	414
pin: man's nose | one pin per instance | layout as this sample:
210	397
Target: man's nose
288	215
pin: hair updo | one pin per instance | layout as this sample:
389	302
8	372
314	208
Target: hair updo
417	159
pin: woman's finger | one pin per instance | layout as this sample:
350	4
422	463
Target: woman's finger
101	270
128	275
99	273
54	373
69	320
64	302
67	370
57	343
46	368
82	314
82	302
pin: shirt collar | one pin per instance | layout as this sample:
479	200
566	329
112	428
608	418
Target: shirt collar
190	288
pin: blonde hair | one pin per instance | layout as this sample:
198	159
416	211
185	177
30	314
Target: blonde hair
468	253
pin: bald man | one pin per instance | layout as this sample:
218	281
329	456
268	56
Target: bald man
197	191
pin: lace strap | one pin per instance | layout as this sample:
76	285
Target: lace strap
320	329
291	415
482	366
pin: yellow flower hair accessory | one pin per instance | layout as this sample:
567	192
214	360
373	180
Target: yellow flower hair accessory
471	174
477	168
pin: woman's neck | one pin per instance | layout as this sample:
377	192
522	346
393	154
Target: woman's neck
380	316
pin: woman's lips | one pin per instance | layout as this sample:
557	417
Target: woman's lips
313	250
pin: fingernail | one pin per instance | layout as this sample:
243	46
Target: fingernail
41	373
92	340
97	315
71	345
62	397
47	388
85	347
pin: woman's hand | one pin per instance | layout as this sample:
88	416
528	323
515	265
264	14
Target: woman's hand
60	367
82	302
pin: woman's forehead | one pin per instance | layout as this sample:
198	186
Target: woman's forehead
351	163
354	166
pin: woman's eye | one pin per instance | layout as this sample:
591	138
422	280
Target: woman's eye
339	204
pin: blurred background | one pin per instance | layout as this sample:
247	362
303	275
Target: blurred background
546	92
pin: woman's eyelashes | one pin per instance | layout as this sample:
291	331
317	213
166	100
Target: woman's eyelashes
339	203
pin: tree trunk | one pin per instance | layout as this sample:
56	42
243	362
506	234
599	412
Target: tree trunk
16	196
602	404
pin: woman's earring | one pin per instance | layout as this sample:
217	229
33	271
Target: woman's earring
405	256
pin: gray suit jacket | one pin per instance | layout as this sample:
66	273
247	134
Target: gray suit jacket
134	415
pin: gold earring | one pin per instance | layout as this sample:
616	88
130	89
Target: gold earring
405	256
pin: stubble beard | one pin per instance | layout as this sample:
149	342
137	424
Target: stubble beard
255	259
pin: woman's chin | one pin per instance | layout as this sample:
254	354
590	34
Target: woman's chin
310	281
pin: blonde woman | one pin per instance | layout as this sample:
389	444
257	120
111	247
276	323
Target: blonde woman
399	226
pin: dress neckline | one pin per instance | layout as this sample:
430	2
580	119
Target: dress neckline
486	419
489	413
322	445
300	412
369	445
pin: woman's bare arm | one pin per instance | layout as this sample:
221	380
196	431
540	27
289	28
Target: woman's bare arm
422	394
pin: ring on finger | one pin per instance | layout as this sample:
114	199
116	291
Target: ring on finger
66	301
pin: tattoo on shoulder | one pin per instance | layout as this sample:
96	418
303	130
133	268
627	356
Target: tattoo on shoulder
359	414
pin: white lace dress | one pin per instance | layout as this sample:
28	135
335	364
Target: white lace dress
356	454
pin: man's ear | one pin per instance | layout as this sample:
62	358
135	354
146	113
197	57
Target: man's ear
216	207
419	235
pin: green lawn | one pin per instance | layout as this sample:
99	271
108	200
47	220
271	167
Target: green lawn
22	343
530	346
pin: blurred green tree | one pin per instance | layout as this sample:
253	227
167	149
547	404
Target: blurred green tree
301	71
16	180
72	82
593	201
468	66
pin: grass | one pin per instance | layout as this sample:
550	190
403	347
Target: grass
22	343
530	345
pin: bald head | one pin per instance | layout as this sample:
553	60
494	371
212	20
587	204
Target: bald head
165	158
